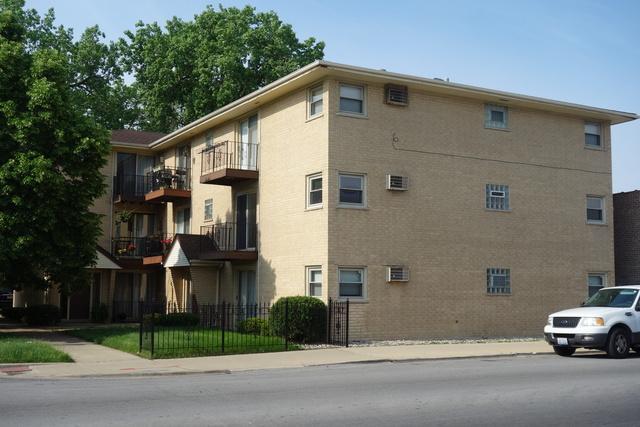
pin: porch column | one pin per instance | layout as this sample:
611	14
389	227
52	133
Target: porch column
143	286
111	291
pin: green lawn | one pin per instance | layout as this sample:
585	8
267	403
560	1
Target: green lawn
171	342
17	349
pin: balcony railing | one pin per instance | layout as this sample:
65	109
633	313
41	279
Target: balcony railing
229	161
229	237
149	246
174	178
130	188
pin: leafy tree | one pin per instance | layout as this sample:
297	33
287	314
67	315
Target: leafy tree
51	149
191	68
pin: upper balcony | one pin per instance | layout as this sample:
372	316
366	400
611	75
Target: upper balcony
229	162
159	186
169	185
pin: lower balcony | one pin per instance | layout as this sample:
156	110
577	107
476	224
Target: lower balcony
140	252
229	242
229	163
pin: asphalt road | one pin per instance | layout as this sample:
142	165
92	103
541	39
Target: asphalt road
514	391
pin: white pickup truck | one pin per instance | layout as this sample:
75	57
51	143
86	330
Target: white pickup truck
609	320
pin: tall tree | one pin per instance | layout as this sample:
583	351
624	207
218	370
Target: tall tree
51	151
191	68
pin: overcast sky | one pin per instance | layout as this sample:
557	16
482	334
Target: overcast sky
584	51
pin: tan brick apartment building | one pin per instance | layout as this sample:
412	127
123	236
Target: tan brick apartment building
438	209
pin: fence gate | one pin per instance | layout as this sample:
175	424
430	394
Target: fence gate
338	323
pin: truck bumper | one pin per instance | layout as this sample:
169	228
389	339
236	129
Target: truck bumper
596	340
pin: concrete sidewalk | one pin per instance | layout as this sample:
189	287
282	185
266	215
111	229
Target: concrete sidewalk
95	360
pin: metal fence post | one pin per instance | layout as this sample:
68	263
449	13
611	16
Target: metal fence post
286	324
329	322
223	323
153	332
346	335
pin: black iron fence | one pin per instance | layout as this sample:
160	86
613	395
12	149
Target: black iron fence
207	329
130	187
229	155
157	244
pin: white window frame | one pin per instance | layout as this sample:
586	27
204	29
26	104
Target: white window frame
495	272
364	190
602	208
492	201
489	123
311	178
208	202
363	113
599	134
311	102
310	270
603	276
363	270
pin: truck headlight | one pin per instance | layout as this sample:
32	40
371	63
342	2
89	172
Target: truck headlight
592	321
549	321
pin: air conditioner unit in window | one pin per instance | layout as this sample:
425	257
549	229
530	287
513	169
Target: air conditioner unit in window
396	95
397	182
397	274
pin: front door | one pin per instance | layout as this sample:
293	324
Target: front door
248	152
79	304
246	221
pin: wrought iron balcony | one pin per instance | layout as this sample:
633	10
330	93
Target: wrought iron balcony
229	162
168	185
130	188
149	249
231	242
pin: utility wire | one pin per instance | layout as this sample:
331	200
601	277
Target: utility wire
395	140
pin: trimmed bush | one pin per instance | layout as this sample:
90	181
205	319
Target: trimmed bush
13	313
307	320
173	319
254	325
42	315
100	313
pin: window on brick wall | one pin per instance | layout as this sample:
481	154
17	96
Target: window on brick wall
496	116
314	281
315	101
595	282
208	210
595	210
314	191
351	282
498	281
592	135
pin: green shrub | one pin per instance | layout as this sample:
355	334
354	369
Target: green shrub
100	313
307	320
254	325
42	315
173	319
13	313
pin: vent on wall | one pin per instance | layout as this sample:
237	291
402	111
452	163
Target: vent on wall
397	274
396	95
397	182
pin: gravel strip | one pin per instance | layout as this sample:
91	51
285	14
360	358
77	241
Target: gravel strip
421	342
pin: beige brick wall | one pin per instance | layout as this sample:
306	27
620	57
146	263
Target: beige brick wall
440	228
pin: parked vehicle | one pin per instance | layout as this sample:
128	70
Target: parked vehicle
609	321
6	298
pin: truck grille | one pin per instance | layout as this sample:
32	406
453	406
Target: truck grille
565	322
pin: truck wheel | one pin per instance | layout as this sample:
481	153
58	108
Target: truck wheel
564	351
618	344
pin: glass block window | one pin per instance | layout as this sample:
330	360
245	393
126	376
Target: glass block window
595	209
495	116
498	281
497	197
